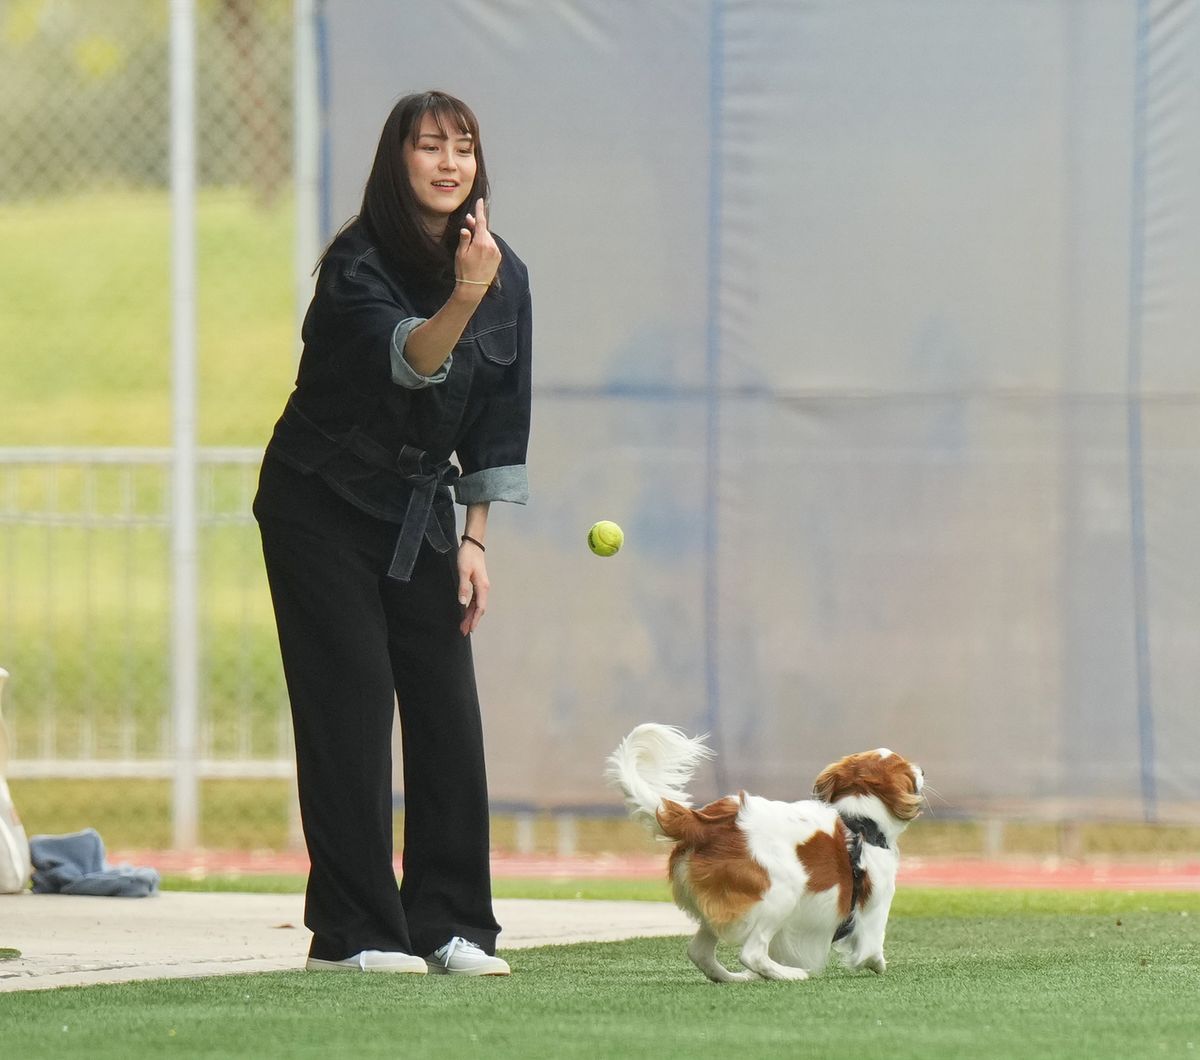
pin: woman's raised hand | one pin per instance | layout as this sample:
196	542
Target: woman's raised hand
477	257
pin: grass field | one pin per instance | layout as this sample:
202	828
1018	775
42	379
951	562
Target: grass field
85	315
979	974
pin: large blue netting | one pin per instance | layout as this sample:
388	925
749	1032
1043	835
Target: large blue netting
870	323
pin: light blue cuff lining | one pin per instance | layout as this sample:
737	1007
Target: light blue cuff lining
403	373
493	484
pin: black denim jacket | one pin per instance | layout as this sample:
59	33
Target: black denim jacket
387	447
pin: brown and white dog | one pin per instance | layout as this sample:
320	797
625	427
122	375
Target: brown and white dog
784	881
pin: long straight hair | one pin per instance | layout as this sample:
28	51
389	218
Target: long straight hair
390	215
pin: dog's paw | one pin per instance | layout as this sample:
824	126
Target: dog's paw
783	972
875	964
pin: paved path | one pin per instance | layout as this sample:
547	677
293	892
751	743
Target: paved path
69	941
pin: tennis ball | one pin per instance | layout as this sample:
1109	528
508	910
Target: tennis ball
605	538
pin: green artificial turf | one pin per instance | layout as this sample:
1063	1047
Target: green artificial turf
968	903
978	974
652	890
910	902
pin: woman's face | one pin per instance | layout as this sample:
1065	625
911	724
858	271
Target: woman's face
441	169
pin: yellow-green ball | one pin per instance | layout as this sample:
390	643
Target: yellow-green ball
605	538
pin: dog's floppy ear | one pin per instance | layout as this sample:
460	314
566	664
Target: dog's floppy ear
824	785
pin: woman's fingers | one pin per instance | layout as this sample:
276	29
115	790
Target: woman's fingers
472	593
478	255
474	612
464	247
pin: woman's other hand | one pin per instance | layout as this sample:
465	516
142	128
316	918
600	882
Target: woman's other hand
472	587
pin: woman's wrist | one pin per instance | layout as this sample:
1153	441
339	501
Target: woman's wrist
467	295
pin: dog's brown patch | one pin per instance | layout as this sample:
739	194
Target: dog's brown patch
826	860
890	778
723	879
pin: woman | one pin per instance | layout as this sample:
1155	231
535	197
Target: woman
416	349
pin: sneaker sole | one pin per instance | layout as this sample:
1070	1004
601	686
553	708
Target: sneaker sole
437	969
313	964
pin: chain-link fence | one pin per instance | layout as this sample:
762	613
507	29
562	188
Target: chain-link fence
85	359
85	216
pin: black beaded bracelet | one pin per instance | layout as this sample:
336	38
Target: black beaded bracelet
468	537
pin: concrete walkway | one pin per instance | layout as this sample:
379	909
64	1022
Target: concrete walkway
72	941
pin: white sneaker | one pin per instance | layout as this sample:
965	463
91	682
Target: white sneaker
462	957
370	961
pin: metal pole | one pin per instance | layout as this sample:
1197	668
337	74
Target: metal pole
307	158
185	655
1137	479
712	514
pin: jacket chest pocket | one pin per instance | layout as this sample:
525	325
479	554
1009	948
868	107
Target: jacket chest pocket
497	343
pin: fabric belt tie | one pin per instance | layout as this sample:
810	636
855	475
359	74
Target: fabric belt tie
418	470
417	526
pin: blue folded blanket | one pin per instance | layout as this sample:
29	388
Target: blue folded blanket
74	864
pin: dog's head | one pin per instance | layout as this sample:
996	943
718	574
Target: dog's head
883	774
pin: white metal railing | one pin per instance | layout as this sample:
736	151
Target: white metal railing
86	612
149	769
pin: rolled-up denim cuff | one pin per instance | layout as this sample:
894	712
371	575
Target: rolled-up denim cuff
493	484
403	373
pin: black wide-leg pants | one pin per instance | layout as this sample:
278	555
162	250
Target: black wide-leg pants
354	642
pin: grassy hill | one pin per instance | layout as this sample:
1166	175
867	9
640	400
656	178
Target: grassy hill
85	330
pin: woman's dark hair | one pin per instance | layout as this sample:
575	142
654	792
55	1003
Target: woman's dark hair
389	213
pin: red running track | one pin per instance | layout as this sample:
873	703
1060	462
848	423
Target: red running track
1054	873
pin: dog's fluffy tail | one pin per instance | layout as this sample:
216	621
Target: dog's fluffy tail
653	763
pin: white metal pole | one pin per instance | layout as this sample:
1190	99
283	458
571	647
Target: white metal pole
306	177
307	154
185	655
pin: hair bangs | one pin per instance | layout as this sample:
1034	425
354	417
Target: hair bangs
445	111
